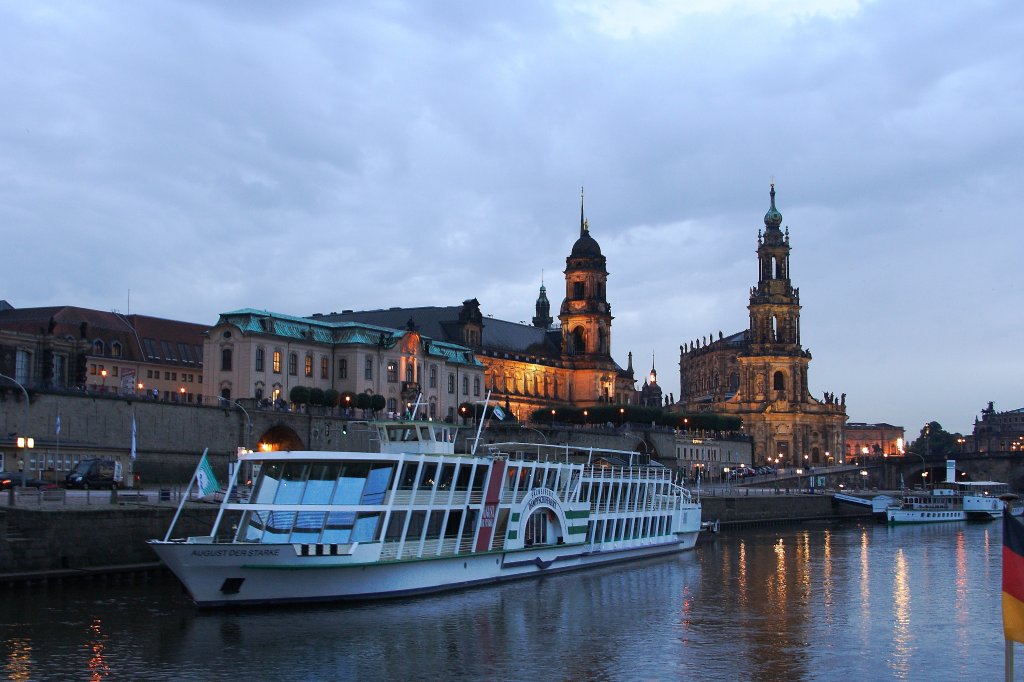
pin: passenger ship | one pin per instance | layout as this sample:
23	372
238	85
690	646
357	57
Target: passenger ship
955	500
417	518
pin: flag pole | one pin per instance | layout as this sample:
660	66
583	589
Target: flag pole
1008	660
227	497
184	497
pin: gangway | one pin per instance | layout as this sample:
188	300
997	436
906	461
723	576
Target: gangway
853	499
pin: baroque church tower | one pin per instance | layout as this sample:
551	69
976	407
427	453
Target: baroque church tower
774	322
585	315
760	373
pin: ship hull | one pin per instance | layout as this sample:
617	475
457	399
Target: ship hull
218	575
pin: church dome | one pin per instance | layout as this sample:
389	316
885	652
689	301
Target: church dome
586	246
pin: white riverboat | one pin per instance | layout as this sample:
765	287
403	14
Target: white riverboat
954	500
416	517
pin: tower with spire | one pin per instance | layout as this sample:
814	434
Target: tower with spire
760	374
585	313
543	319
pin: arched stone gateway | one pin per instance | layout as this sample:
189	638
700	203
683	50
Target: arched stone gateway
281	438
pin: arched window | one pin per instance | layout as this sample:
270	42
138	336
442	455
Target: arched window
225	359
578	342
97	347
779	381
410	372
734	381
115	350
433	376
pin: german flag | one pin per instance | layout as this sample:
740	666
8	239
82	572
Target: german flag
1013	578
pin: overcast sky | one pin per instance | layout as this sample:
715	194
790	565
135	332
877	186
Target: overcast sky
313	156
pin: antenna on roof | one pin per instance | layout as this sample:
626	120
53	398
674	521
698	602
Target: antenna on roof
129	309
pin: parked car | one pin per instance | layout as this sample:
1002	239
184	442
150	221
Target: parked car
14	478
94	473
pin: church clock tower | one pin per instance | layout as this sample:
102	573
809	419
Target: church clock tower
585	314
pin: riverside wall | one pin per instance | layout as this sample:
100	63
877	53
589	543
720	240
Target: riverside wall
112	535
34	540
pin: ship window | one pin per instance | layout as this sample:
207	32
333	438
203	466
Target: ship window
451	530
293	482
447	475
339	527
428	475
408	476
395	525
469	527
266	486
252	526
307	527
416	522
279	526
479	478
322	476
511	482
377	483
351	482
462	482
366	527
434	524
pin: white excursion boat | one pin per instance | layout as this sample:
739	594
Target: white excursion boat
417	518
954	501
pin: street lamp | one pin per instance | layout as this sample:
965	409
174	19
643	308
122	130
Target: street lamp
103	387
182	392
248	420
622	416
552	418
585	415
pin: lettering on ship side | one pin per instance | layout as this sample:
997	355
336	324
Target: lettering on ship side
225	552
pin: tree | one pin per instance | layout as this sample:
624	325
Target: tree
331	398
377	402
299	395
935	440
362	401
316	396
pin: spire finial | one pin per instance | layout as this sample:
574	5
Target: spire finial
583	221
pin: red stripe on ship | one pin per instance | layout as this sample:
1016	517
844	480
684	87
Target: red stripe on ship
491	499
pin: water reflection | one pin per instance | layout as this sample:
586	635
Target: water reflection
870	602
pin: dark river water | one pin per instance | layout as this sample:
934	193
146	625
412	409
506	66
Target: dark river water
852	602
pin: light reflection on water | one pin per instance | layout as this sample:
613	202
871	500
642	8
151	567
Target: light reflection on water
825	603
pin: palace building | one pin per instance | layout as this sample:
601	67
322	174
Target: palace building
541	364
760	373
262	356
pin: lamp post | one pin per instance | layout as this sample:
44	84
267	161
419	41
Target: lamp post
585	415
103	386
924	467
248	420
553	419
622	416
181	392
537	431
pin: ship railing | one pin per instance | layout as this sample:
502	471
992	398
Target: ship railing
423	497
